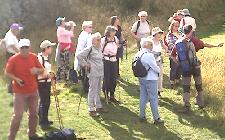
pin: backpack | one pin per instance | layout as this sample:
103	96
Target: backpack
187	56
64	134
138	68
138	25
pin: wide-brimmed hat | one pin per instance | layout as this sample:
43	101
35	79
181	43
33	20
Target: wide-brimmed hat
156	30
46	43
110	28
186	12
87	23
142	13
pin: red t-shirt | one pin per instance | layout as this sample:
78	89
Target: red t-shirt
20	67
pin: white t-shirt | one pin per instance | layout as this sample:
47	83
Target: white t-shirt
157	49
11	39
84	40
188	21
143	30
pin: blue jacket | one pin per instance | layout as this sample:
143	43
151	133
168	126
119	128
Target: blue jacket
148	60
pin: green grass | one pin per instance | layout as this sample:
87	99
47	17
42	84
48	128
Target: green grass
122	122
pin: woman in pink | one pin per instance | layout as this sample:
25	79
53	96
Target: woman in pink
109	45
64	43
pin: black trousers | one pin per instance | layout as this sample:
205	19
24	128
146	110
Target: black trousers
110	75
44	89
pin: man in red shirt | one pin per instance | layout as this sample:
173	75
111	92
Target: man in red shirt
23	69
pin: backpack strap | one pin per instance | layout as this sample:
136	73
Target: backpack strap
138	25
43	64
88	56
106	42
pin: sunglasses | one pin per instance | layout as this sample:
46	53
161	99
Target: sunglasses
143	16
25	47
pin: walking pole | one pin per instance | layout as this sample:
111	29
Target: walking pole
54	93
126	78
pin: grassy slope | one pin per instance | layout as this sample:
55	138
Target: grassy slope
122	121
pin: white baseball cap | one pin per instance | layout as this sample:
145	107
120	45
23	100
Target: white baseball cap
46	43
24	42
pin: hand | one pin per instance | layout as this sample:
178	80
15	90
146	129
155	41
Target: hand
88	67
20	82
34	71
220	45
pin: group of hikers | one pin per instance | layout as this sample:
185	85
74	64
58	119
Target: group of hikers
97	64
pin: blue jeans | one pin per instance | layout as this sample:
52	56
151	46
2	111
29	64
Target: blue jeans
149	92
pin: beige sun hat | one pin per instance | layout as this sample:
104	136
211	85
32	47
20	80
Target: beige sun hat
156	30
46	43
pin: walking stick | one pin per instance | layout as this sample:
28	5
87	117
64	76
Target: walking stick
83	80
54	93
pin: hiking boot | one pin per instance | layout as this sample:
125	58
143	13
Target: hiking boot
112	99
143	119
93	114
35	137
172	86
158	121
101	110
46	124
159	94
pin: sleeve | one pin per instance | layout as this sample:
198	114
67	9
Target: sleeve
66	33
10	65
81	43
134	27
150	60
199	44
81	56
174	52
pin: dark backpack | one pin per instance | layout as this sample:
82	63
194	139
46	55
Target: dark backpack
138	68
64	134
187	56
138	25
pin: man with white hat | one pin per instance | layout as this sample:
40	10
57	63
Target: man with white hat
141	28
44	83
187	20
84	39
23	68
11	45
